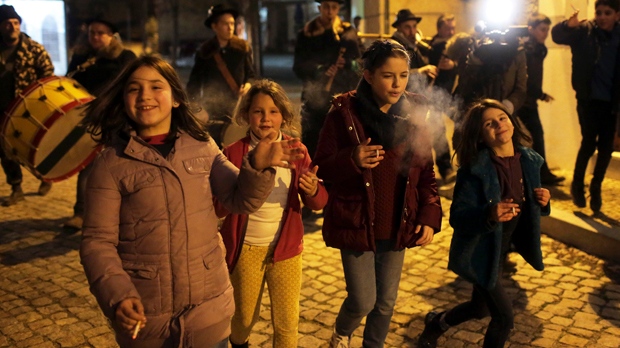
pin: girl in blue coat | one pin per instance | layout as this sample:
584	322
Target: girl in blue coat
497	200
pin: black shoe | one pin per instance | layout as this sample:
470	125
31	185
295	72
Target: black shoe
596	201
17	195
432	330
551	179
579	197
44	188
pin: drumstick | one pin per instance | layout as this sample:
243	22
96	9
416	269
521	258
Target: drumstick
328	86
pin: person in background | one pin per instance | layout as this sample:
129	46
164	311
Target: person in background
150	247
357	22
265	246
94	64
497	200
223	70
22	62
326	54
535	52
406	25
595	45
375	152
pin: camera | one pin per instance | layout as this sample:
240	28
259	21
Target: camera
498	45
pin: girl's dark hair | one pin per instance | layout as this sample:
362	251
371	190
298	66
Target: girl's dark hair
106	118
614	4
471	141
380	50
280	99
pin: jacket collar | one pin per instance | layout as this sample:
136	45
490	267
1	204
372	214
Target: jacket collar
315	28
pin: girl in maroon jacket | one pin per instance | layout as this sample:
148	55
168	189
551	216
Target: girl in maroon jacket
266	246
376	154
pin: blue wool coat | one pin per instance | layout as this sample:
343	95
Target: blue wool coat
475	251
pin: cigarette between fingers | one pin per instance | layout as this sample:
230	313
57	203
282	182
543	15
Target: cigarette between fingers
136	330
317	179
377	153
514	212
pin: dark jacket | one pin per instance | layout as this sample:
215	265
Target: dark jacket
207	84
349	213
418	52
150	232
585	44
316	50
476	243
505	80
103	67
32	62
290	243
535	54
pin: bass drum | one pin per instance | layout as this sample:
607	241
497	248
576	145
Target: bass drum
41	129
232	132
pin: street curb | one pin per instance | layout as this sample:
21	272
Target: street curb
584	233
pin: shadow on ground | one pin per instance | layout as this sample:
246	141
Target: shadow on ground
27	247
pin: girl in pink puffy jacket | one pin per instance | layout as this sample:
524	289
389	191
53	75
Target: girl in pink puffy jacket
150	249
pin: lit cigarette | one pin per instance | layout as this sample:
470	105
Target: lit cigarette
514	211
377	153
574	9
136	330
317	179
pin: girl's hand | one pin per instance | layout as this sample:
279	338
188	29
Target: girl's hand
128	313
426	235
309	182
368	156
504	211
542	196
271	153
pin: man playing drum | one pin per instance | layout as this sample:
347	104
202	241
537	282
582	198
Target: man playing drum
223	70
22	62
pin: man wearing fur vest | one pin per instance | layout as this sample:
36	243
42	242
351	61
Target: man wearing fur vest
98	61
94	64
326	55
223	70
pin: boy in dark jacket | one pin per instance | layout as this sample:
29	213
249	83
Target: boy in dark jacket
535	53
595	46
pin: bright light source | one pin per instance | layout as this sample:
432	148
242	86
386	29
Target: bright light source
498	14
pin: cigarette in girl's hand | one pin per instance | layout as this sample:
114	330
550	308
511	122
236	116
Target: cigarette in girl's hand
317	179
377	153
514	211
136	330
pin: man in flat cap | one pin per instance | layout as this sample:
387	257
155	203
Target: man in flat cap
223	70
326	56
22	62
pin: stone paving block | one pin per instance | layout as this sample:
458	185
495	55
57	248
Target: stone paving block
608	341
574	340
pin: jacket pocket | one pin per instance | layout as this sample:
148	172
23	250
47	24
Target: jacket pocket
347	211
215	273
198	165
147	282
143	198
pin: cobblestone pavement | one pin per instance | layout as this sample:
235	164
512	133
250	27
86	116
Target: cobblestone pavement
45	301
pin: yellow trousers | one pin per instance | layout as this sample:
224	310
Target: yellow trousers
255	267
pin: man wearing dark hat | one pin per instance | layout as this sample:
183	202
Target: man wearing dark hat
326	56
406	25
22	62
223	70
94	64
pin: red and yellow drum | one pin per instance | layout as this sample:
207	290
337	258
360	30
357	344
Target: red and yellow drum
41	129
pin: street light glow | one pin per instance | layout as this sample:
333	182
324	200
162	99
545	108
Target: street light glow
499	14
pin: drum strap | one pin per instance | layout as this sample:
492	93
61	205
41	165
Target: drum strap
221	66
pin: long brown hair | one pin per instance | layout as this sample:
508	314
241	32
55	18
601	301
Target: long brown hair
280	99
106	118
471	142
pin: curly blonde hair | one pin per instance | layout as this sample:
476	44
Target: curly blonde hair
271	88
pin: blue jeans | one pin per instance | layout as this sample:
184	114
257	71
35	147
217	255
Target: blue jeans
372	286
